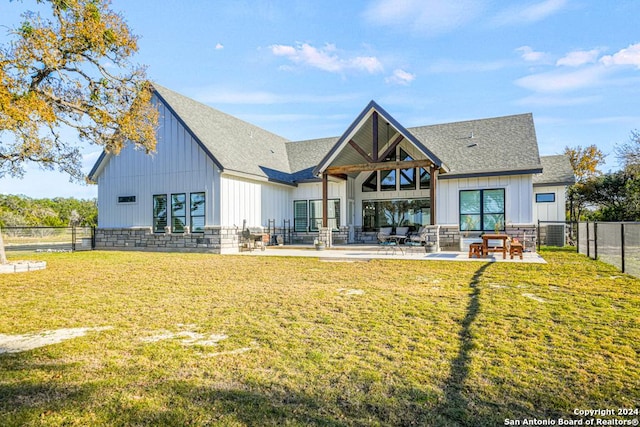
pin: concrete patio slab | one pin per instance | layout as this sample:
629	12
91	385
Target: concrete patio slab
364	253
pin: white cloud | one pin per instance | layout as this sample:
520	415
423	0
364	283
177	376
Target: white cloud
628	56
530	55
578	58
430	17
400	77
327	58
562	81
219	46
533	13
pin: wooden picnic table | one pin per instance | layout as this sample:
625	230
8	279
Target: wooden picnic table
494	236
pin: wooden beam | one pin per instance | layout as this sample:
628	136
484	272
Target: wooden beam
375	136
432	192
325	198
382	166
360	151
392	147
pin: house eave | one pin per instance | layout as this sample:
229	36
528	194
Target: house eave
554	184
254	177
483	174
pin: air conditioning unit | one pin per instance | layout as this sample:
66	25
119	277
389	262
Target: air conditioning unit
555	235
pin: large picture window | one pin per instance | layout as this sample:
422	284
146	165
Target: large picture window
197	212
395	213
178	212
159	213
482	210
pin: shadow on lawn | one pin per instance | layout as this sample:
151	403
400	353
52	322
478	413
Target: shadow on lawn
456	408
25	400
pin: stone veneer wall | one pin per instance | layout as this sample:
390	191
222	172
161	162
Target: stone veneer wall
214	239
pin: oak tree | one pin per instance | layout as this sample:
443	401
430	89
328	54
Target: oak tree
68	68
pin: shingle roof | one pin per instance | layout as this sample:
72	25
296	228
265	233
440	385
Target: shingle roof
501	145
557	170
305	155
495	145
235	144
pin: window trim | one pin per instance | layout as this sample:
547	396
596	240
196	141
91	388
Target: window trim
175	217
122	200
336	217
156	218
482	214
304	228
203	215
553	197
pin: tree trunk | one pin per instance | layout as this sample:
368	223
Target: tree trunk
3	256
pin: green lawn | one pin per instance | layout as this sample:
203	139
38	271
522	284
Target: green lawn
200	339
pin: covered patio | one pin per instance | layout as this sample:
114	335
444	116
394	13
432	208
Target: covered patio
382	164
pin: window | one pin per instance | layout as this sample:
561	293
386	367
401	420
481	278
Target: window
178	212
126	199
425	179
197	212
545	197
300	216
395	213
159	213
407	176
315	214
388	180
371	183
481	210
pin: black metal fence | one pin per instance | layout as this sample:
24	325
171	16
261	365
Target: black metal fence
616	243
556	233
48	238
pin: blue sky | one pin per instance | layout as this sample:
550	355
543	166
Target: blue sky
305	69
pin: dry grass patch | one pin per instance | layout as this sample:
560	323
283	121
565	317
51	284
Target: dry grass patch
297	341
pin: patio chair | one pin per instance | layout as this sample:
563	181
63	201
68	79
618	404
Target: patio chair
402	231
386	243
386	231
420	236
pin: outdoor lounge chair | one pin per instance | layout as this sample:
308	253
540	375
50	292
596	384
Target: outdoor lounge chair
402	231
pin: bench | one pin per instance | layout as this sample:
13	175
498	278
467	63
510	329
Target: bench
475	249
515	249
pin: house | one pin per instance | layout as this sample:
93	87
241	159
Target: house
213	174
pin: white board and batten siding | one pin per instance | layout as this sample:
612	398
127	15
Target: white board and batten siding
179	165
550	211
518	197
253	201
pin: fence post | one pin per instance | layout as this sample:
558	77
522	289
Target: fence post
538	236
577	223
595	240
588	242
73	237
622	245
